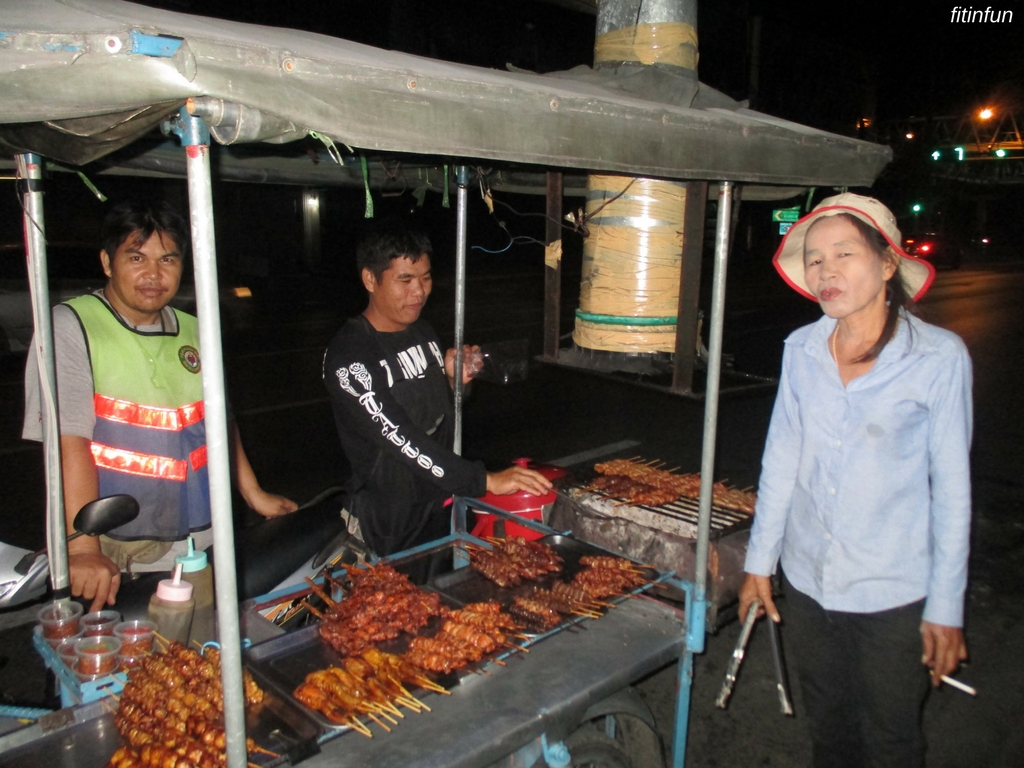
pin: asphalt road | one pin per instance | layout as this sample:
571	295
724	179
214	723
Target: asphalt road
273	365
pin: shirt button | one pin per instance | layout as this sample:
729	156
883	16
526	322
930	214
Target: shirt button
832	491
828	537
838	443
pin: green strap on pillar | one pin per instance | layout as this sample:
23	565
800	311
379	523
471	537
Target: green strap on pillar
92	187
366	185
445	203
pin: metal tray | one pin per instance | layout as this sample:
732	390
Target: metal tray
467	585
86	737
283	662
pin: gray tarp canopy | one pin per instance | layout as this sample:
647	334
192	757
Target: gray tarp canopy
72	89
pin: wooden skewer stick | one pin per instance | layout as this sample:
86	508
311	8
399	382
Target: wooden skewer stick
320	592
517	647
430	685
408	703
305	604
334	582
359	727
390	707
261	751
162	639
420	704
385	715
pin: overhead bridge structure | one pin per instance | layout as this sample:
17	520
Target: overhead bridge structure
983	147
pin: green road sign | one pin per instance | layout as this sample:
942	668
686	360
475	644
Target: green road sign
786	214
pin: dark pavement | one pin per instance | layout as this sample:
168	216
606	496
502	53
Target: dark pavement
273	363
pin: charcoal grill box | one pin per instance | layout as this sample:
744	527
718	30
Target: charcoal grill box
664	537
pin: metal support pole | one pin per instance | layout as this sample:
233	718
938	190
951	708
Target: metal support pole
553	265
196	138
462	180
707	462
30	189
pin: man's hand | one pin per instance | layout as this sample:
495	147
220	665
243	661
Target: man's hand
472	363
517	478
758	588
944	649
94	577
270	504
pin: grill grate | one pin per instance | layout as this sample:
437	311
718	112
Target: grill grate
684	510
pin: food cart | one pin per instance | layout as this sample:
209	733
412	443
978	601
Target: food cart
80	79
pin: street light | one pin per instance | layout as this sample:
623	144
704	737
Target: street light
986	113
916	207
1000	152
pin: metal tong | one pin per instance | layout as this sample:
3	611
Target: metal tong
737	658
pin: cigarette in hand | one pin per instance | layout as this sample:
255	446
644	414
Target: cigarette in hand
958	685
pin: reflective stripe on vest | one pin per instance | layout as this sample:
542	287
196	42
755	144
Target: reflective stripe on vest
147	465
148	417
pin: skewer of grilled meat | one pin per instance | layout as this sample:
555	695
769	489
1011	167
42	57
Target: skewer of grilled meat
534	613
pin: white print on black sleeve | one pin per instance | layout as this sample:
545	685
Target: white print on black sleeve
413	362
437	354
387	368
389	429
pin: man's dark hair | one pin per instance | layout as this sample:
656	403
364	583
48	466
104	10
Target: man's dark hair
390	242
141	219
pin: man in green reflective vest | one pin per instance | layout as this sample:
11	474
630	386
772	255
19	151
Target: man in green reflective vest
131	406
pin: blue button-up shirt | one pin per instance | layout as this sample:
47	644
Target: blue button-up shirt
865	489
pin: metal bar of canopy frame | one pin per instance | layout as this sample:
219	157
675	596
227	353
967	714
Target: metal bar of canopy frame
31	193
462	180
696	602
196	138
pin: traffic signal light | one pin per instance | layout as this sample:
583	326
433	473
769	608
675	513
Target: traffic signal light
917	207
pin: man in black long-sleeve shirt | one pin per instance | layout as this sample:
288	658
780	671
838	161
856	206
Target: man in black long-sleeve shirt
390	389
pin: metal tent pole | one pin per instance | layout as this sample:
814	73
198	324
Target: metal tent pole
195	136
707	458
697	603
462	180
30	189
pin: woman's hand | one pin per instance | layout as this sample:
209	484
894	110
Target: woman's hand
758	588
944	649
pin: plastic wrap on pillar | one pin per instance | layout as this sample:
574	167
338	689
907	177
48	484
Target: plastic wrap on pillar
629	294
646	32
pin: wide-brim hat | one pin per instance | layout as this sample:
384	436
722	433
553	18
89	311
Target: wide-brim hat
917	274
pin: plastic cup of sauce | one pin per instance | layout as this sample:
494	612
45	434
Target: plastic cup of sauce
66	652
60	620
100	623
136	637
97	655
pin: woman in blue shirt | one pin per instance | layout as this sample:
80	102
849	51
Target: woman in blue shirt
864	497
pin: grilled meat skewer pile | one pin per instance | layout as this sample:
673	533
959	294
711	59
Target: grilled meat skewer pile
381	605
467	635
515	559
370	685
640	483
170	712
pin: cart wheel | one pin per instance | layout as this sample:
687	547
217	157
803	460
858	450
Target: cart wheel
589	748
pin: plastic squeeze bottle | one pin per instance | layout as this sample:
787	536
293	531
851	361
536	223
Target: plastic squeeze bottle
172	606
197	571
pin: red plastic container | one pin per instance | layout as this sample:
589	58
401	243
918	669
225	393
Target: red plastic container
522	503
